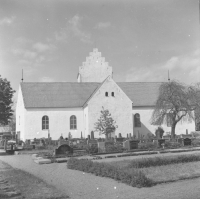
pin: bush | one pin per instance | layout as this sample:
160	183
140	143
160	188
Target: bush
135	178
159	161
148	146
172	145
196	142
91	149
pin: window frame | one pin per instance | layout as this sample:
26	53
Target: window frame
106	94
112	94
73	122
45	122
137	120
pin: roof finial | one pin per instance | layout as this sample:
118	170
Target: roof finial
22	76
168	77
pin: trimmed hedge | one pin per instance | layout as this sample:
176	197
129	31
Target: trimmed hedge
159	161
134	179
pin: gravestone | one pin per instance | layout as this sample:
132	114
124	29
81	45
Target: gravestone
63	150
120	135
119	140
92	135
61	142
160	142
130	144
91	142
101	147
187	142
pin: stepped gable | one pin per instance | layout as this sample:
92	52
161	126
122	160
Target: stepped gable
95	68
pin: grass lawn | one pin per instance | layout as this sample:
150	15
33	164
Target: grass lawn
173	172
164	173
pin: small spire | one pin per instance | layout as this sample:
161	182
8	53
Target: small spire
22	76
168	77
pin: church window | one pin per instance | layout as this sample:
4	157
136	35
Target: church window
113	94
137	121
73	122
106	94
45	122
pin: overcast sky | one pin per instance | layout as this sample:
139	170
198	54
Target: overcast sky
141	39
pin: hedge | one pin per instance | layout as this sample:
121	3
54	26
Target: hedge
134	179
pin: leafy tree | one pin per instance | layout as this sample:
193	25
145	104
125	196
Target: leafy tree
105	124
6	95
174	103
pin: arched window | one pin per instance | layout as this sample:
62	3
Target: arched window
73	122
137	120
113	94
106	94
45	122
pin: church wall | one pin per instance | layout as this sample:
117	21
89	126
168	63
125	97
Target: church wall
120	107
146	127
85	115
59	122
20	119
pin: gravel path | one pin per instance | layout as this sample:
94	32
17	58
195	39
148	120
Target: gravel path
79	185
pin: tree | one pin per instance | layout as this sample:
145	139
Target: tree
174	103
105	124
6	95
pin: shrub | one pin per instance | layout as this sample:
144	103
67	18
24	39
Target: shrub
135	178
148	145
172	145
196	142
91	149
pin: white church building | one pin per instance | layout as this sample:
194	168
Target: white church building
57	108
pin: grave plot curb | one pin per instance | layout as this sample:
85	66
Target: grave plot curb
42	161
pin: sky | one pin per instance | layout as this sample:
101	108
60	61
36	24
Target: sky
140	39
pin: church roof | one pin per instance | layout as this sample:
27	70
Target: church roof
56	94
73	94
141	93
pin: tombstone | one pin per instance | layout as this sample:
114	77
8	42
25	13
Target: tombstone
160	142
88	137
187	142
92	135
101	147
64	149
91	142
129	135
61	142
5	144
120	135
130	144
119	140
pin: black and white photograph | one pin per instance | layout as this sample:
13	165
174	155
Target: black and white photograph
99	99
